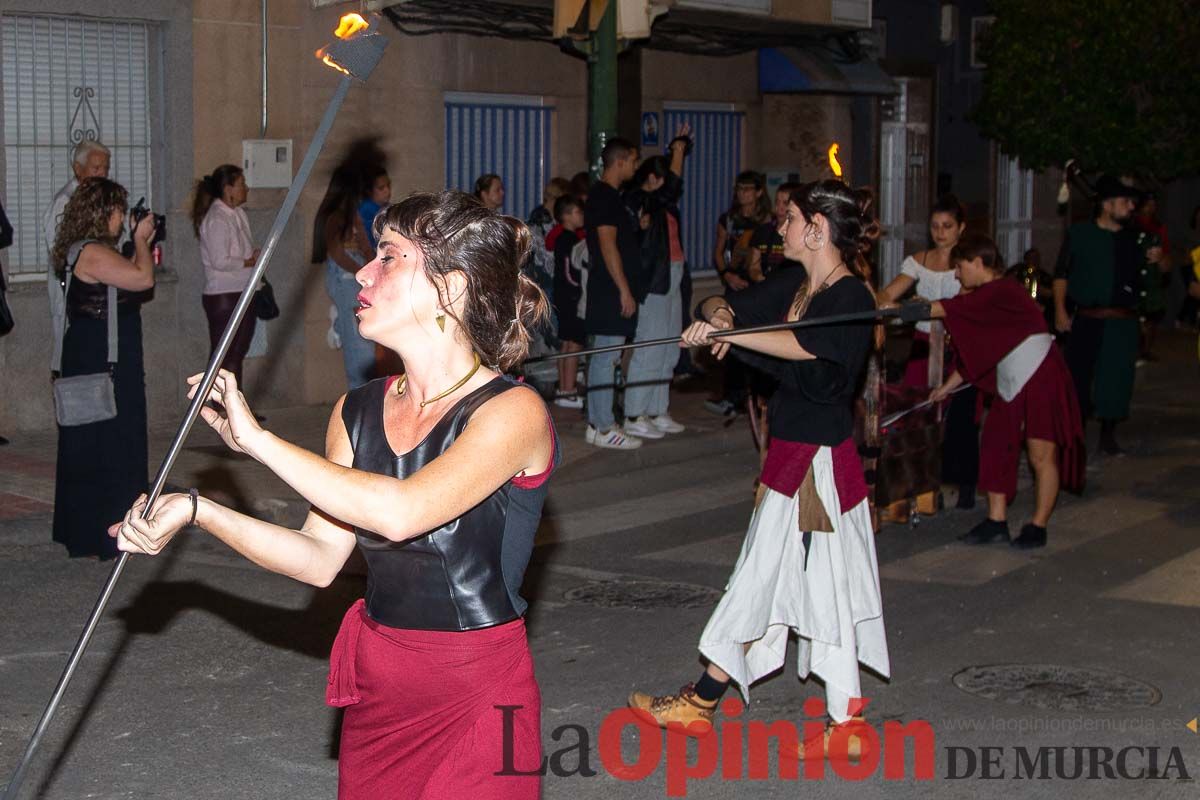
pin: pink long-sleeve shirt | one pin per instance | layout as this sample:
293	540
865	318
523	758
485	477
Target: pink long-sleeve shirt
225	245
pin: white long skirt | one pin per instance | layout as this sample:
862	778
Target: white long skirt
834	605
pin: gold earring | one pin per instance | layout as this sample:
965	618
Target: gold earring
440	319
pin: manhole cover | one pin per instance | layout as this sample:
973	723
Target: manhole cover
1056	687
643	594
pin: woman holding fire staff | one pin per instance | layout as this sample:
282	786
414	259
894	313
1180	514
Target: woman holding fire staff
808	563
440	476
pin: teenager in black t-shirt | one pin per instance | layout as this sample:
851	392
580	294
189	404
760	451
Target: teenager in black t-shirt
749	208
568	291
808	565
613	289
766	245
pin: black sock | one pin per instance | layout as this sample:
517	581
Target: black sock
1108	438
709	689
966	496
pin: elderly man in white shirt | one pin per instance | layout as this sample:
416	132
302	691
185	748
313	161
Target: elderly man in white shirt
90	159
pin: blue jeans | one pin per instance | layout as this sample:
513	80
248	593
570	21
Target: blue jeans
648	387
358	354
601	380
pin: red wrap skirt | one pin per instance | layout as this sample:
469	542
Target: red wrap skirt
1045	408
423	712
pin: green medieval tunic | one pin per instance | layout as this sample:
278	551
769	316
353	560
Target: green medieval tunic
1102	269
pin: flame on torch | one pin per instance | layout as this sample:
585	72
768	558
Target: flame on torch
329	62
833	160
349	25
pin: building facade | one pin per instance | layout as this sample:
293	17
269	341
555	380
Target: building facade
175	87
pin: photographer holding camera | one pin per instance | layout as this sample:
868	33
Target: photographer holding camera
228	255
102	465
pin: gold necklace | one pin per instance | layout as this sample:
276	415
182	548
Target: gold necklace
402	386
807	300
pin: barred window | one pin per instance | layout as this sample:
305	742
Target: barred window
506	135
67	79
1014	209
712	168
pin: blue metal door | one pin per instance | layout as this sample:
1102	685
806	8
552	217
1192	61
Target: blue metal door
502	134
708	178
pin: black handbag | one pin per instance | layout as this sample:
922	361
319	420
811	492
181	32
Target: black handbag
265	307
6	240
6	317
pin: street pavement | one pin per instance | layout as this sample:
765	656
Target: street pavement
206	677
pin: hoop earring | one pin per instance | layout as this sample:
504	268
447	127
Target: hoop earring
810	238
440	319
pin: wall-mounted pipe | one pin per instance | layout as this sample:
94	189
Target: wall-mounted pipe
263	134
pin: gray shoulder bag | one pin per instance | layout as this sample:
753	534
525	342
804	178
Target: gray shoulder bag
83	399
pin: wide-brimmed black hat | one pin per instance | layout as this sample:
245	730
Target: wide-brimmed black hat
1109	187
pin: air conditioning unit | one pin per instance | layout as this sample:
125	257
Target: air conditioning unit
835	13
949	28
853	13
736	6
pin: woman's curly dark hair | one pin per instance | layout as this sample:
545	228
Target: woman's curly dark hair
86	217
456	233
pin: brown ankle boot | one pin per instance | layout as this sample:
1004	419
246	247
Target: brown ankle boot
684	708
855	746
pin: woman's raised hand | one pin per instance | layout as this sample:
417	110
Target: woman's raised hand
697	335
150	535
226	412
144	229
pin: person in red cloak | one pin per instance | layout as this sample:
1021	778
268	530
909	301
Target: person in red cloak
1006	350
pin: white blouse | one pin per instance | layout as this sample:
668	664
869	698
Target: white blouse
225	245
931	284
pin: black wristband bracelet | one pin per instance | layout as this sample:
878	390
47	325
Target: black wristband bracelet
194	493
698	312
687	144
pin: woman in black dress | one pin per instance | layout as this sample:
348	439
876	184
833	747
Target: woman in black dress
101	466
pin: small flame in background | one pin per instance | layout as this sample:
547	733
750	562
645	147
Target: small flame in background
833	160
349	25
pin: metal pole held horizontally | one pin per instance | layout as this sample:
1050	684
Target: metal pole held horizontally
832	319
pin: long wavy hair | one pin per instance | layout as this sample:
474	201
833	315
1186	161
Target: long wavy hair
86	217
339	208
457	233
763	210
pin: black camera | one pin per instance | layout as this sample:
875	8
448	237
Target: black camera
139	212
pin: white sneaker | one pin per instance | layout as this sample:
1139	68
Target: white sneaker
643	428
667	425
613	439
568	401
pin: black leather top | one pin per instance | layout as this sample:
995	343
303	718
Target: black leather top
91	299
466	574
